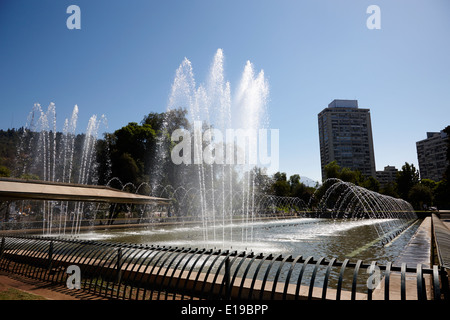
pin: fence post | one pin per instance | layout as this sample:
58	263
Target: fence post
2	247
445	284
50	255
119	265
227	279
371	271
421	290
402	282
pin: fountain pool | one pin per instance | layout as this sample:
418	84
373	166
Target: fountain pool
331	238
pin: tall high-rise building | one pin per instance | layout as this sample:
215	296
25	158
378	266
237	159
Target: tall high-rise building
432	157
345	135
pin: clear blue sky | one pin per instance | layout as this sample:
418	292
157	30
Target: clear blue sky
123	60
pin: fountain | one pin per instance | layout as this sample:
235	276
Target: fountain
214	193
214	109
216	203
47	155
223	196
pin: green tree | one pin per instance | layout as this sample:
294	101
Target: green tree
280	187
299	189
9	143
4	171
28	176
279	176
406	179
296	187
390	189
441	194
294	180
135	139
158	161
429	183
420	196
371	183
262	180
130	147
332	170
127	170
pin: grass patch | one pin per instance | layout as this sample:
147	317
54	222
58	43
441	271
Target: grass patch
15	294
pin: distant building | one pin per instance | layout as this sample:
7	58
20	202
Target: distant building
388	175
431	154
345	135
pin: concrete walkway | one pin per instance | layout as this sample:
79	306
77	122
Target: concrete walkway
419	247
441	228
39	289
418	251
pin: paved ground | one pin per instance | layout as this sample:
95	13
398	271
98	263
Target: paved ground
43	290
418	250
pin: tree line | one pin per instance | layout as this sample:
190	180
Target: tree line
139	153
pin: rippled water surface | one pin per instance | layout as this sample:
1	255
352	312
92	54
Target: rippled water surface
355	239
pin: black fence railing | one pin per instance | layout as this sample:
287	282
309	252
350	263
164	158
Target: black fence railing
139	272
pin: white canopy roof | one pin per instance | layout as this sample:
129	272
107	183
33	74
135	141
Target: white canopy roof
16	189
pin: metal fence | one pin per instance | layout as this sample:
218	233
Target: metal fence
139	272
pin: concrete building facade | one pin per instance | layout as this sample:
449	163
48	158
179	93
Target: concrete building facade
345	135
388	175
431	155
